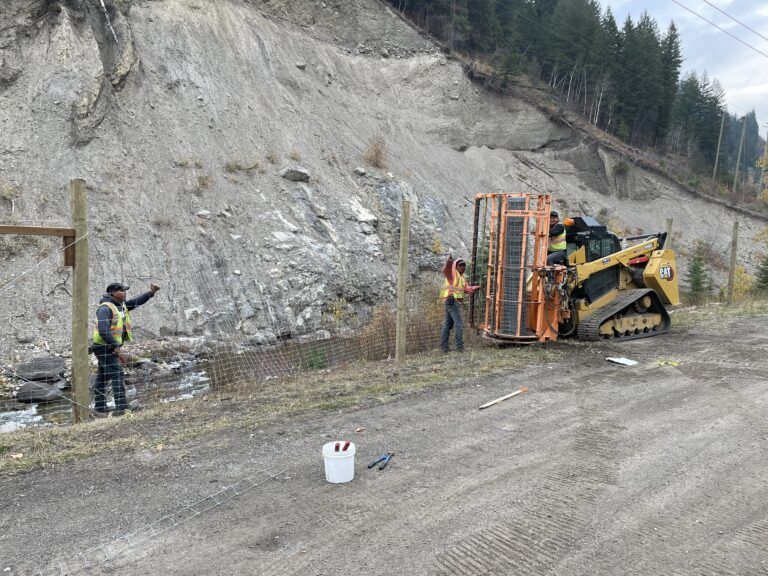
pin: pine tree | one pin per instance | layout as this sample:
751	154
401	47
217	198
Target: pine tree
671	59
761	282
698	280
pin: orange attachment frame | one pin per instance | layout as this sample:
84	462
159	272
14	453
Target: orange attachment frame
518	302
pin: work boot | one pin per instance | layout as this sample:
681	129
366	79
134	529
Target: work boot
134	406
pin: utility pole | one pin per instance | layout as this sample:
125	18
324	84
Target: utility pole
719	141
764	163
732	267
402	273
738	156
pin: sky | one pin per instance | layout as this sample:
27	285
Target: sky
742	72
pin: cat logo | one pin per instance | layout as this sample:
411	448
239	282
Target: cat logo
666	273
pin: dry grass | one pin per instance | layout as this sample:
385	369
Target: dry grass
204	182
717	312
359	384
376	153
295	155
233	166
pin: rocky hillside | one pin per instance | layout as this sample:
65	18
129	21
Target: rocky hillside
183	116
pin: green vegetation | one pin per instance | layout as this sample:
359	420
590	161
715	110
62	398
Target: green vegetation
698	280
623	78
761	282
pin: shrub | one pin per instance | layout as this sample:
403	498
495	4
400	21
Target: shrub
204	182
316	358
376	153
621	168
295	155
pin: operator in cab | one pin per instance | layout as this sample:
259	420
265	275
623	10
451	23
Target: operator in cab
557	251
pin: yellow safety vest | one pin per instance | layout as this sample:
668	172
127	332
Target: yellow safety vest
456	288
557	243
121	324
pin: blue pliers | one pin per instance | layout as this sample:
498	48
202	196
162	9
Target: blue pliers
384	459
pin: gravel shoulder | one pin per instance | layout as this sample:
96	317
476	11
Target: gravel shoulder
658	468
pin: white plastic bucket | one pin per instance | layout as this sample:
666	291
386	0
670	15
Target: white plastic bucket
339	466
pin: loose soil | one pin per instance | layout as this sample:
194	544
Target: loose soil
658	468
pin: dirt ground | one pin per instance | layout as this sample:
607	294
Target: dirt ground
659	468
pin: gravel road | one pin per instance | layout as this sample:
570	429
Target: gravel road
600	469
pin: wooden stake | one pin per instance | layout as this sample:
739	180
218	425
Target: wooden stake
402	274
80	367
522	390
668	241
732	267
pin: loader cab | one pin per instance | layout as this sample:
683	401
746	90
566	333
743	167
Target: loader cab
598	242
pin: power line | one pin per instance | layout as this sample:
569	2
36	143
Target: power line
721	29
735	20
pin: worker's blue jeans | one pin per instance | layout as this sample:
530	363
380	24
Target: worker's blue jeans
109	369
452	320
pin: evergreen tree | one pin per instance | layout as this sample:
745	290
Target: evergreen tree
484	28
761	282
671	59
698	279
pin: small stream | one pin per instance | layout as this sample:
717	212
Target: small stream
171	387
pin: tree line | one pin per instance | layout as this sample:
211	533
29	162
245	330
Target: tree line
624	79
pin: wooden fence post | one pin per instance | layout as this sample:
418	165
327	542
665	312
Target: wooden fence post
668	242
732	267
402	273
80	367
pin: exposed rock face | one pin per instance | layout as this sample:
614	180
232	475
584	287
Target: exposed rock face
181	116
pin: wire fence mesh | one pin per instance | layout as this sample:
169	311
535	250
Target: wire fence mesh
223	333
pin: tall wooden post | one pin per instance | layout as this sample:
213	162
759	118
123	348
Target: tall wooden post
80	369
402	273
668	242
732	267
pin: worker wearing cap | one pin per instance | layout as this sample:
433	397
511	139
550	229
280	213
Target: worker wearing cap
453	291
557	252
113	330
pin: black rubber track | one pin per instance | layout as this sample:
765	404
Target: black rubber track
589	329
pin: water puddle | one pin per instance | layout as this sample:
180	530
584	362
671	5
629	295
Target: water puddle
174	386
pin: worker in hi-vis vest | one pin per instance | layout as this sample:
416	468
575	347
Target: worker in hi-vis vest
112	331
454	288
557	251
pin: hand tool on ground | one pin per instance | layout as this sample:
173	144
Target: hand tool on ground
384	459
522	390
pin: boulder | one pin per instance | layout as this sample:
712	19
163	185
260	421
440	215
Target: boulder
44	368
295	174
39	392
